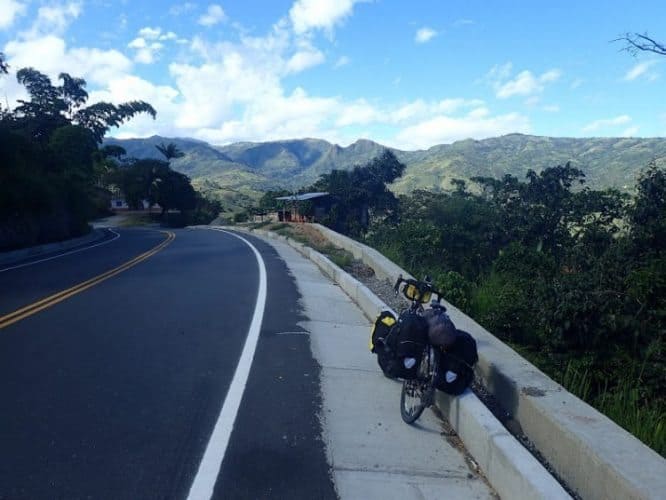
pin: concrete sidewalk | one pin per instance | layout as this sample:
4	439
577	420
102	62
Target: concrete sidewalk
372	452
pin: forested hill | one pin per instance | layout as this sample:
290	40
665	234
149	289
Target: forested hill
607	162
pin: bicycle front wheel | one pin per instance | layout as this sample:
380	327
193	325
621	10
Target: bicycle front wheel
412	400
417	394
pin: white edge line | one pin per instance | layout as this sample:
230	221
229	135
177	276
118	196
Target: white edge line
209	468
63	254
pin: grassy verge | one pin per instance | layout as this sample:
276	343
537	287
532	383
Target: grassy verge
338	256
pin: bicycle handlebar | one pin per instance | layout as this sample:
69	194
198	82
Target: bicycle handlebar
423	286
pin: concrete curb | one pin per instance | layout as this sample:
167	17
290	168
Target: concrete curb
595	456
512	470
13	256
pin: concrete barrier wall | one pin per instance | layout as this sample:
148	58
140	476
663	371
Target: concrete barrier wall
512	470
595	456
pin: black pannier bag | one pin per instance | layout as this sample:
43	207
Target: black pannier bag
383	324
394	340
412	338
456	367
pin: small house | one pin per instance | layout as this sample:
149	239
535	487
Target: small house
305	207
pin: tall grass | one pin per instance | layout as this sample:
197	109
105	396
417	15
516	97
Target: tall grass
628	408
340	257
623	403
577	381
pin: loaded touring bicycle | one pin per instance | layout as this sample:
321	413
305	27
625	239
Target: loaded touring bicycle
423	348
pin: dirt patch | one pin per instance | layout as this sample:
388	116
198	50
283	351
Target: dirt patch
306	232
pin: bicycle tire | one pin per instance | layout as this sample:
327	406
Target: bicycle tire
421	389
411	389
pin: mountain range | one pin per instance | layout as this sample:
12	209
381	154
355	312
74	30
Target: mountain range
237	172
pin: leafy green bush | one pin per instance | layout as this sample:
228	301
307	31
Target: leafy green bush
573	279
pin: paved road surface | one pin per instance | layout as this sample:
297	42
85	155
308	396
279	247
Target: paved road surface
121	367
114	392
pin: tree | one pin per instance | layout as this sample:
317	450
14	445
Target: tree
538	213
51	170
73	93
170	151
361	194
648	215
635	43
100	117
175	191
50	107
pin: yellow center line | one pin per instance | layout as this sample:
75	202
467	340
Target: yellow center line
51	300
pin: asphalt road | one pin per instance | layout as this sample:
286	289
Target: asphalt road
114	391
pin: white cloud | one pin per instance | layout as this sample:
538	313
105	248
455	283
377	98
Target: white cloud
150	33
149	54
138	43
449	106
551	108
446	129
304	59
630	132
295	115
409	111
9	11
424	35
499	72
641	69
419	109
525	83
214	15
605	123
550	76
359	112
308	15
342	61
148	44
146	53
51	56
127	88
54	19
170	35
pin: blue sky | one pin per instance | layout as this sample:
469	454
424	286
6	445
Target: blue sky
406	74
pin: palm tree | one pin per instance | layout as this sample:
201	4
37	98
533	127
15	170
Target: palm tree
170	151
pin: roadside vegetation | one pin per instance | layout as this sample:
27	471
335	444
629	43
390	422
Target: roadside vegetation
55	177
574	279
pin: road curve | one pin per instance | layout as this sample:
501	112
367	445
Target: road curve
114	392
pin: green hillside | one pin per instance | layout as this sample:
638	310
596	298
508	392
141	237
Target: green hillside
212	172
607	162
244	169
296	163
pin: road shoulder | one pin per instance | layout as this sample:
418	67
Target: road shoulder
372	453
